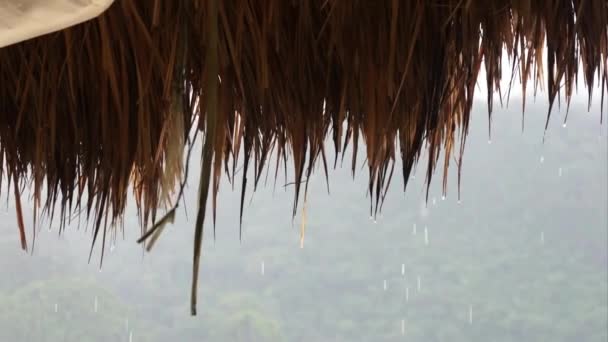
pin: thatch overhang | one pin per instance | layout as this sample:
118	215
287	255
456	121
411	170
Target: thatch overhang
92	111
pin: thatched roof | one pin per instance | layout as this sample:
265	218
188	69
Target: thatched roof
92	110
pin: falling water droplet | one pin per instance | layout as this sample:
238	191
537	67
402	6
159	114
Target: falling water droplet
564	125
542	159
559	172
371	217
262	268
127	323
426	236
470	314
414	230
402	269
385	285
112	246
418	283
443	197
95	305
542	238
375	222
130	336
56	307
434	201
407	294
402	327
489	141
459	201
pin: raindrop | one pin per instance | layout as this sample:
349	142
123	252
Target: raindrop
56	307
426	236
371	217
100	269
443	197
130	336
470	314
489	141
407	294
402	269
127	323
112	246
95	305
385	285
542	238
564	125
402	327
414	230
559	171
375	222
434	201
542	159
459	201
262	270
418	283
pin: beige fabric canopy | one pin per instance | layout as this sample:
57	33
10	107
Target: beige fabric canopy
25	19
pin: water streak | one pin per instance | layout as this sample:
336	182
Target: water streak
542	238
470	314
